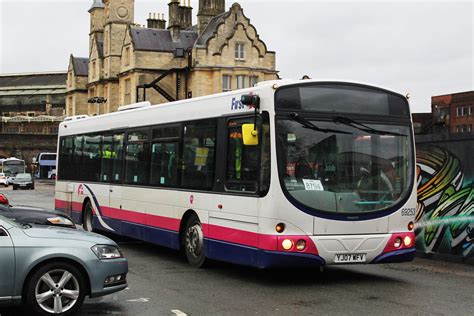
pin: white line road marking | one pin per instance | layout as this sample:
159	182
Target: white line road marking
178	312
140	300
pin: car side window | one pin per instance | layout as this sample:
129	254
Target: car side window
3	233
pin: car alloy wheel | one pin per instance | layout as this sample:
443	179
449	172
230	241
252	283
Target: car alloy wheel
57	291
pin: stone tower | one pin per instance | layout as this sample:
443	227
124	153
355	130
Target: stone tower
97	21
207	10
119	14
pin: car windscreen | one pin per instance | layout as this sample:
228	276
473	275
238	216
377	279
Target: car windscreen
23	176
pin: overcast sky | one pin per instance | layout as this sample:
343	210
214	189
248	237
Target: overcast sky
424	48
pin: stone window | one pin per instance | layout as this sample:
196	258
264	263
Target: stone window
69	79
127	56
106	40
93	69
253	81
240	51
128	95
241	81
226	83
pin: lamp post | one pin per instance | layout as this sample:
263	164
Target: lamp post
98	101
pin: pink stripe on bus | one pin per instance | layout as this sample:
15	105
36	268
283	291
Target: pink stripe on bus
231	235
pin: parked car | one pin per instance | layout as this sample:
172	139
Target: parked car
3	179
51	270
34	215
23	181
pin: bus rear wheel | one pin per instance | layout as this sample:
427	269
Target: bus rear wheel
193	241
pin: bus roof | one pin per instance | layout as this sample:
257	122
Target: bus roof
221	104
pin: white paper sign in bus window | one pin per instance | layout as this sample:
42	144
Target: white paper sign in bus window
313	185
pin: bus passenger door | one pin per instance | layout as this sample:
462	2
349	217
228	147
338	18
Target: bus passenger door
7	262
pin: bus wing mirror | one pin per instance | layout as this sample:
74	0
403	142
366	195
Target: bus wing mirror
249	135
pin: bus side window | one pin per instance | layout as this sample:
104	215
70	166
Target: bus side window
117	158
107	156
65	158
137	159
91	158
242	161
164	167
198	162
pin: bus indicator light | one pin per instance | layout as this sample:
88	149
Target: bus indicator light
287	244
280	228
411	226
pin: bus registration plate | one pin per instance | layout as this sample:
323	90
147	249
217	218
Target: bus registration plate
350	258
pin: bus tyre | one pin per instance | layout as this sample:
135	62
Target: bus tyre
87	220
55	288
193	241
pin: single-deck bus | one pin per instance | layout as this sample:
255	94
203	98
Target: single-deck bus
287	173
12	166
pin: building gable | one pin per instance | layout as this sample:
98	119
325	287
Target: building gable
223	28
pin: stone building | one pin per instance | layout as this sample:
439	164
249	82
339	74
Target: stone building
31	109
167	60
32	103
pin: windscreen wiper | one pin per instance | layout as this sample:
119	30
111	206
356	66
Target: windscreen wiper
307	124
362	127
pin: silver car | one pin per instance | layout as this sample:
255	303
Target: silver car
51	270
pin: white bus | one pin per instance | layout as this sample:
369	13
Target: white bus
46	165
12	166
287	173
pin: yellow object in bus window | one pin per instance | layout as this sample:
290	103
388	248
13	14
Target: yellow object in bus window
201	156
250	135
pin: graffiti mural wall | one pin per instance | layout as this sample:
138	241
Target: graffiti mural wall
445	213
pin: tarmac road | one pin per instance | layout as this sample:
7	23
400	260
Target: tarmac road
162	283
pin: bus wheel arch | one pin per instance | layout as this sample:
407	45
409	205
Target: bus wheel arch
191	238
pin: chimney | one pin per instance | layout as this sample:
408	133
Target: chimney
186	15
174	20
155	22
208	9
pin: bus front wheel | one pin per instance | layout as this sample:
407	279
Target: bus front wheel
87	221
194	242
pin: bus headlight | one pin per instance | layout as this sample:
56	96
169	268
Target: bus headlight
397	243
301	245
287	244
407	241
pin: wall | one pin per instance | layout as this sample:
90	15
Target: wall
445	175
28	147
